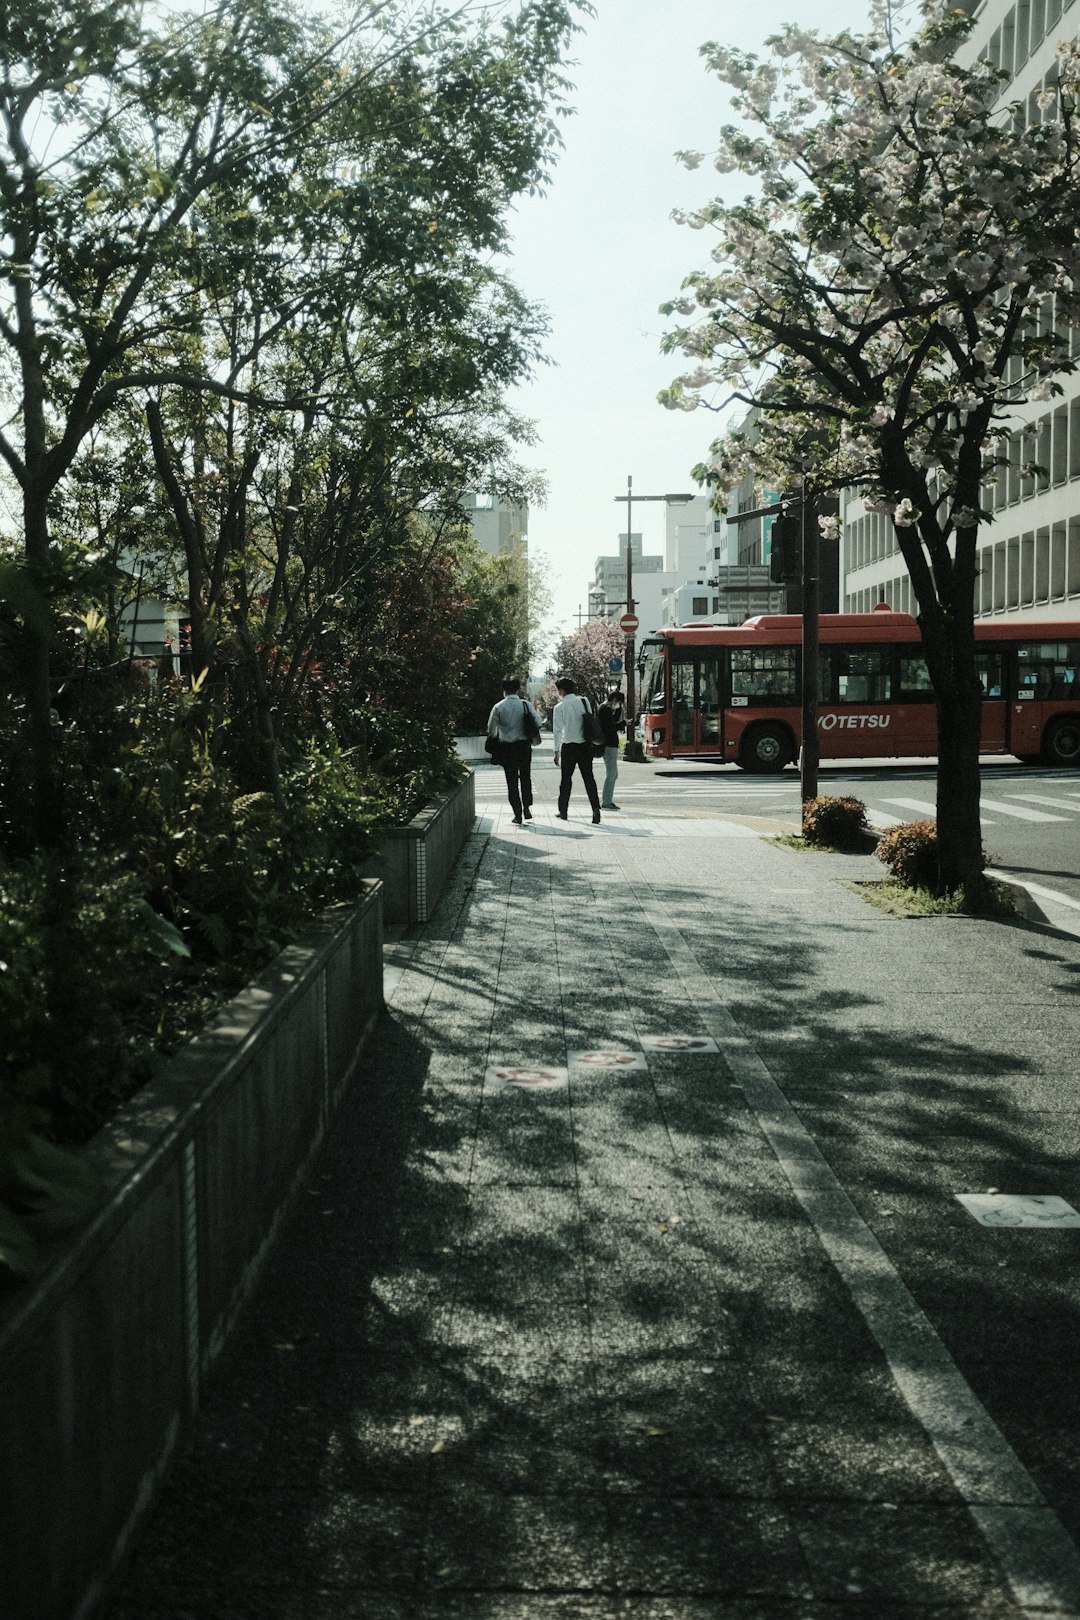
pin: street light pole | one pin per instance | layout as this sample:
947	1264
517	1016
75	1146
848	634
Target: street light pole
810	754
632	751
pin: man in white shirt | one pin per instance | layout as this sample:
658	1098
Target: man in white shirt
573	746
509	723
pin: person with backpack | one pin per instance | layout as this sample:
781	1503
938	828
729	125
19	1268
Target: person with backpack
611	719
577	734
513	727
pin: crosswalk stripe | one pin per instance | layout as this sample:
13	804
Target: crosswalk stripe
1043	798
1019	811
927	810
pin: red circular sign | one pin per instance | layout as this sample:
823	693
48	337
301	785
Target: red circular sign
629	623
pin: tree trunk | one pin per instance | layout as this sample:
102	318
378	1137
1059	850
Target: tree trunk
46	812
950	655
192	539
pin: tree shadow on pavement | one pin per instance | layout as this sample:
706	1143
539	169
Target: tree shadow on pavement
586	1343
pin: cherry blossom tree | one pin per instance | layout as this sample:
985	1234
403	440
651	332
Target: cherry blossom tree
901	279
584	656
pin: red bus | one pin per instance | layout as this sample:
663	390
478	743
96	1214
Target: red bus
733	692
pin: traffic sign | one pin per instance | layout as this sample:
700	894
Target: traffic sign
629	623
614	666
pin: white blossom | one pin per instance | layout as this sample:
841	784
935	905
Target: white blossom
899	232
699	378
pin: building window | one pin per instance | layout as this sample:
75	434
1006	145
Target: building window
700	605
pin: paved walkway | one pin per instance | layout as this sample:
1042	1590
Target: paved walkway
633	1279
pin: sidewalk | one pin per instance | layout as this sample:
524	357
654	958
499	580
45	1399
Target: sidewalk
687	1332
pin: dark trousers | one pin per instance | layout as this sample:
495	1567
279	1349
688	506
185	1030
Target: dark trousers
516	761
577	756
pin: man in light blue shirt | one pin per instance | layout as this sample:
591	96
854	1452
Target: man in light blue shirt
509	723
573	746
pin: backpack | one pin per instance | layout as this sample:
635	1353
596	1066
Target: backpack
594	731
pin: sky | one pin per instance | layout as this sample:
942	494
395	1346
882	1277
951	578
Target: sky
601	253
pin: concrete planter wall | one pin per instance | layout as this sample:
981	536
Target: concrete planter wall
416	860
102	1358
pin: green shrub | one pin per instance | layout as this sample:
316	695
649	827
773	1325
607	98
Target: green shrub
835	823
910	853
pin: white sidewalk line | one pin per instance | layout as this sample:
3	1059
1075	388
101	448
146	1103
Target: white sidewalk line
1038	890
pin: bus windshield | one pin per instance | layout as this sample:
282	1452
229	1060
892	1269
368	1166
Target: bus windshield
653	668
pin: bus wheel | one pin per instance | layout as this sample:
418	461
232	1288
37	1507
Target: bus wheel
1061	742
765	748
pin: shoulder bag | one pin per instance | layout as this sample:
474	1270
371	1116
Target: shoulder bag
532	730
594	731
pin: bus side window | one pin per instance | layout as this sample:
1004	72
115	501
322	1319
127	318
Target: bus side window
1049	667
914	679
988	666
764	672
863	674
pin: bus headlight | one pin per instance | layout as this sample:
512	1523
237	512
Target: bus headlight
656	735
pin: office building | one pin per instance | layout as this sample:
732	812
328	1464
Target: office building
1029	556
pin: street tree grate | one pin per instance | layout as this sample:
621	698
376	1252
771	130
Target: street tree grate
679	1043
607	1057
1019	1209
520	1077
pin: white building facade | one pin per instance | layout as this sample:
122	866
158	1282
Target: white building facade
697	578
1029	556
650	584
497	525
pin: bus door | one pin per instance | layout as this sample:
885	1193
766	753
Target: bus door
995	726
695	702
682	701
710	702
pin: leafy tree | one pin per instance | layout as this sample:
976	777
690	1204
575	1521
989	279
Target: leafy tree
504	601
253	347
902	279
162	173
